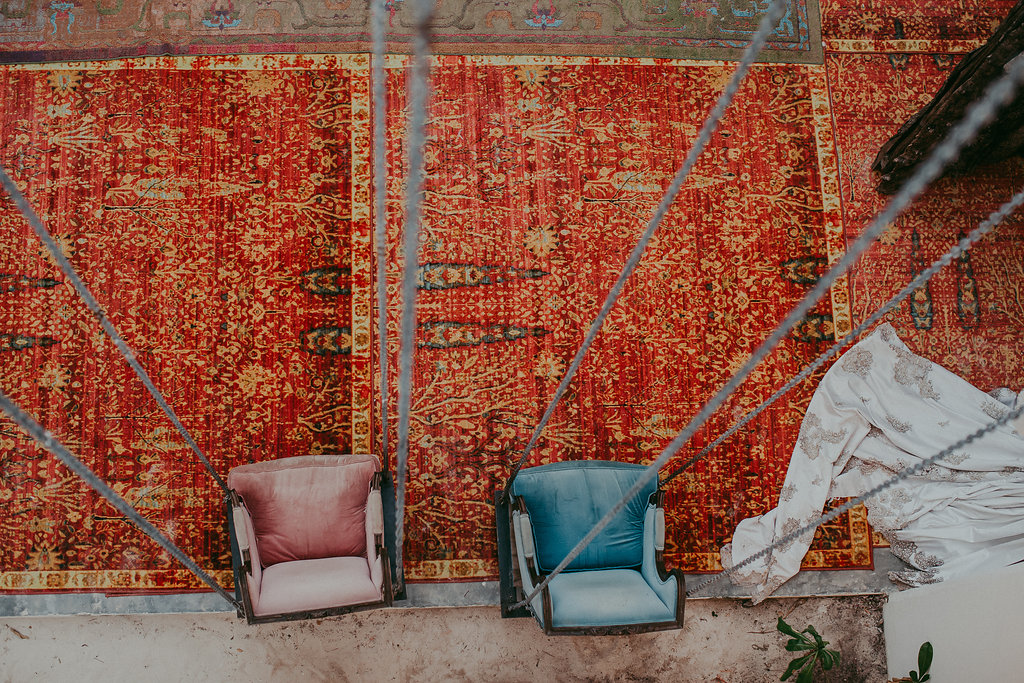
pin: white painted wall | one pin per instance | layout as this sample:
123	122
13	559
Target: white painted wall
975	624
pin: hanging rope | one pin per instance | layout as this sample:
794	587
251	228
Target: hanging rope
45	439
847	506
419	94
979	114
380	231
72	276
764	30
994	219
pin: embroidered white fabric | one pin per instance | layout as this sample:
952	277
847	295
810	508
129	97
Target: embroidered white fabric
878	410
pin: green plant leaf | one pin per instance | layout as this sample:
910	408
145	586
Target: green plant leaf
924	657
827	660
914	678
797	644
786	628
817	638
796	664
807	674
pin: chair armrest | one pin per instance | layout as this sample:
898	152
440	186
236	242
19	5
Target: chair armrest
526	556
665	584
659	529
242	537
249	554
376	554
522	531
374	523
526	534
241	523
526	548
526	541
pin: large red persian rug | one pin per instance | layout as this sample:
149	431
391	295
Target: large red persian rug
221	210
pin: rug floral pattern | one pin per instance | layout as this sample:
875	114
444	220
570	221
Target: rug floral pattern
218	211
221	209
539	185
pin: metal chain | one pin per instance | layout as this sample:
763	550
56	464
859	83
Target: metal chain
47	440
419	95
845	507
979	114
90	301
764	31
994	219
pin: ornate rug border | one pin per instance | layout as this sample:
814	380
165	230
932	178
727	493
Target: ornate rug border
831	196
120	580
357	63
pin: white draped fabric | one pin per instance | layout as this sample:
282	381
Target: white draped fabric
879	410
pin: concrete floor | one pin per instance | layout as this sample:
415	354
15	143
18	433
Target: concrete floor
457	594
442	632
723	642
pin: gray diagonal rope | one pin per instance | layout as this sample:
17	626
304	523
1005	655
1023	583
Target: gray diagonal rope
979	114
764	31
994	219
47	440
419	95
69	272
380	231
845	507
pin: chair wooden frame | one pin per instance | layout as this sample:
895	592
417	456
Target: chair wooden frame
517	504
241	566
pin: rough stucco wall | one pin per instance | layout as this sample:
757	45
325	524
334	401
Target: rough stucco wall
723	642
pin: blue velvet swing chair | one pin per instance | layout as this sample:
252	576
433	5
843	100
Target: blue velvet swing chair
618	584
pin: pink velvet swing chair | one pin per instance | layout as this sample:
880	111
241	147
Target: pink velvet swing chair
307	537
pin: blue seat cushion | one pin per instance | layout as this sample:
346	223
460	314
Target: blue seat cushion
610	597
566	499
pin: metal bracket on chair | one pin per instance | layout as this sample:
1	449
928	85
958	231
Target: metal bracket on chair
510	595
387	492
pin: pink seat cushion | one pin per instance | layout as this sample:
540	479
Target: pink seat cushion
315	584
308	507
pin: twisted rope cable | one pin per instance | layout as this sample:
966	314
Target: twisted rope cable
419	94
380	235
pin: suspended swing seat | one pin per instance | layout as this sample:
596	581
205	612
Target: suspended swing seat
618	584
307	537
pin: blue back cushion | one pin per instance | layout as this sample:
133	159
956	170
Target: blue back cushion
567	499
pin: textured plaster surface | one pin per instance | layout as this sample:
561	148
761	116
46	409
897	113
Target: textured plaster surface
723	642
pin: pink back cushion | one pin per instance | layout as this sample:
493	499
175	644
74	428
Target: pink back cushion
307	507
